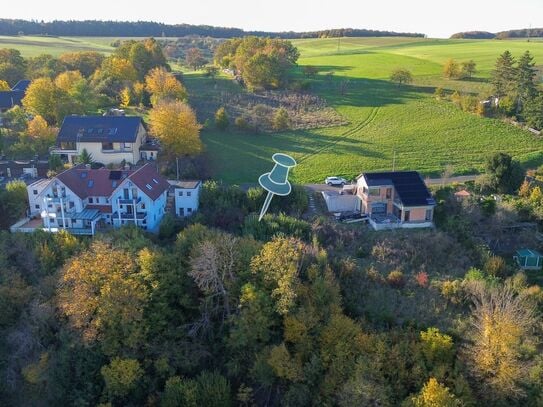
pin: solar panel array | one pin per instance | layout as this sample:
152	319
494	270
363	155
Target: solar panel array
409	186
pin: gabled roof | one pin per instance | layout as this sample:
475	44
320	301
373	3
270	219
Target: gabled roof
113	129
21	85
13	97
149	181
86	182
409	185
10	98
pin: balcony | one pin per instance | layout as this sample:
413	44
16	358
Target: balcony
129	216
123	201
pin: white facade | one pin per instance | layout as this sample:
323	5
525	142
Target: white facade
106	153
124	202
186	197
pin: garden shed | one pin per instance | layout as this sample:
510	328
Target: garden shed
529	259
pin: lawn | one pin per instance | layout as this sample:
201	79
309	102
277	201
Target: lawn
386	121
31	46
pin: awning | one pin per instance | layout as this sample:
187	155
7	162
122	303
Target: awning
87	214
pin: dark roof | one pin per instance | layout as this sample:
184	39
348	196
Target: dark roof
113	129
11	98
85	182
16	168
21	85
409	186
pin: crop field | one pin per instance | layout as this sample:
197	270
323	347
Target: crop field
385	121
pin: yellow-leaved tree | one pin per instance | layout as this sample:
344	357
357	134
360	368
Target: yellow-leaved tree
40	99
162	85
66	81
103	297
434	394
174	123
39	131
4	85
501	326
119	69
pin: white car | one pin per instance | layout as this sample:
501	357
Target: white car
335	181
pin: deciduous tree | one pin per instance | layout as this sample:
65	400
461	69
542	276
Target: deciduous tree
401	76
162	85
175	125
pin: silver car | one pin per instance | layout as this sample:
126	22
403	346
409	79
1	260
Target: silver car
338	181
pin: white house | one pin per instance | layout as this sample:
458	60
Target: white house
186	196
82	200
109	139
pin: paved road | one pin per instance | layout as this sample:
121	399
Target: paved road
428	181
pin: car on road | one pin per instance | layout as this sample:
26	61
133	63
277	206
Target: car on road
338	181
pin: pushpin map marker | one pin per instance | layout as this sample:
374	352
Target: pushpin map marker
276	181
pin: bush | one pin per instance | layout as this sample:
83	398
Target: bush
281	119
221	119
396	279
241	123
272	225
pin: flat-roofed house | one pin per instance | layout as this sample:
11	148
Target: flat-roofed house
395	199
109	139
186	196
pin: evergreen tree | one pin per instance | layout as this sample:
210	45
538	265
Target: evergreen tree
526	74
504	76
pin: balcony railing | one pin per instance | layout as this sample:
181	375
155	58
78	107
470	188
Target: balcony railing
129	216
133	201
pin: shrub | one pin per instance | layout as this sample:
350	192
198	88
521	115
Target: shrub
495	266
422	279
241	123
221	119
281	119
396	279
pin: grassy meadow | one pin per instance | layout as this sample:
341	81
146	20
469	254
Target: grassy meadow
385	120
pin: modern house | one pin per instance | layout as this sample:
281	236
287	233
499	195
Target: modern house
395	200
186	196
83	200
109	139
13	97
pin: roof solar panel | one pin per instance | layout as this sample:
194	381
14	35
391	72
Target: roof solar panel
116	175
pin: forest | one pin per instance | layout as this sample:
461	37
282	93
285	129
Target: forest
223	310
93	28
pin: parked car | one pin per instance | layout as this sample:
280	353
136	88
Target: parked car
335	181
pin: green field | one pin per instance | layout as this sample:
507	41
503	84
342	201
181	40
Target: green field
385	120
425	134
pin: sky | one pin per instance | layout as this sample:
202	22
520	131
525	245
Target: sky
436	18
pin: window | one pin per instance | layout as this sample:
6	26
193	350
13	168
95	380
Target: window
189	193
35	192
37	206
181	211
428	216
407	216
149	187
364	190
389	193
107	146
71	204
375	192
180	193
189	210
90	200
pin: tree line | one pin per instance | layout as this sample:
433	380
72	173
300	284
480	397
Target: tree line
520	33
95	28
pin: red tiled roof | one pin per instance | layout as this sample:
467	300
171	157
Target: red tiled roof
149	181
85	182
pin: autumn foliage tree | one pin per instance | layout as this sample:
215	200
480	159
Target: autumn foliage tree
175	124
162	85
500	326
103	297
